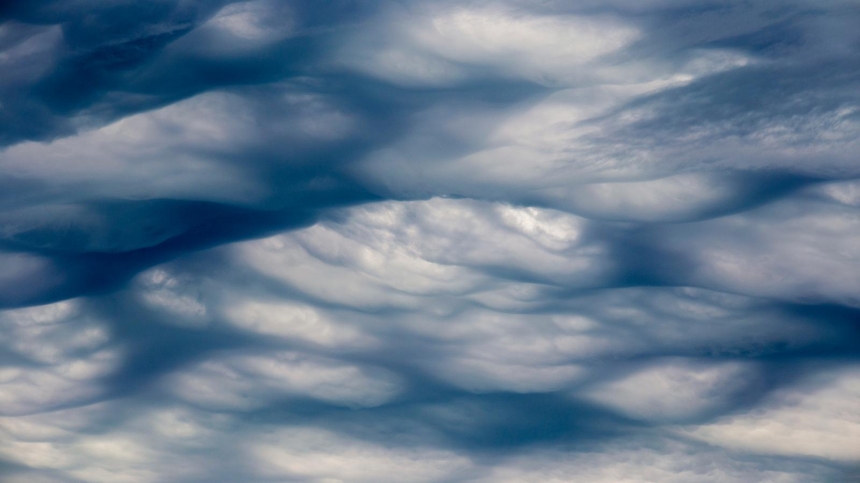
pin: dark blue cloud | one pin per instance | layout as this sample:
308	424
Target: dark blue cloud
410	241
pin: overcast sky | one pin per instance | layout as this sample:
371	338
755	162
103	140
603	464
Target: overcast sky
398	241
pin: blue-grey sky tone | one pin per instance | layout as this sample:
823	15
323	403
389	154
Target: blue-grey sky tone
400	241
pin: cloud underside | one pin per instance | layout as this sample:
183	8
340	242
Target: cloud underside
353	241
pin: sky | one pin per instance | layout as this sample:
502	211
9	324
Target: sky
400	241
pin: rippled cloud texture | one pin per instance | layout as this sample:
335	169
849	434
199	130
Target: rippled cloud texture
385	241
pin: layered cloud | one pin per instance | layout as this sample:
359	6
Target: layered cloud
407	241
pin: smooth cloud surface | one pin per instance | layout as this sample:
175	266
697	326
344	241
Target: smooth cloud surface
400	241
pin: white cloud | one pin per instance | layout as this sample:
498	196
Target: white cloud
180	299
444	44
674	390
695	321
144	156
258	20
310	454
673	198
64	356
240	381
638	461
795	249
814	418
105	443
844	192
295	321
485	351
397	253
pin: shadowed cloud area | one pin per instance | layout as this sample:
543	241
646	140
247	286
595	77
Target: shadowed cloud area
429	242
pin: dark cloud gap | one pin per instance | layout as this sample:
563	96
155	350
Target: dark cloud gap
497	423
93	273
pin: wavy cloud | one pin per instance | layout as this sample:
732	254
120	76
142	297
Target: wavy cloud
401	241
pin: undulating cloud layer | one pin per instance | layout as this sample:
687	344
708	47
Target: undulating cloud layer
391	241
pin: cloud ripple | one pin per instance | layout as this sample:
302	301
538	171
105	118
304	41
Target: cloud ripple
407	241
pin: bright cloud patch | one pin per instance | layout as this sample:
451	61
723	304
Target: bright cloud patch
815	419
673	390
314	455
249	381
57	358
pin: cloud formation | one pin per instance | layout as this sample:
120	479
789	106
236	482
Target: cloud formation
371	241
